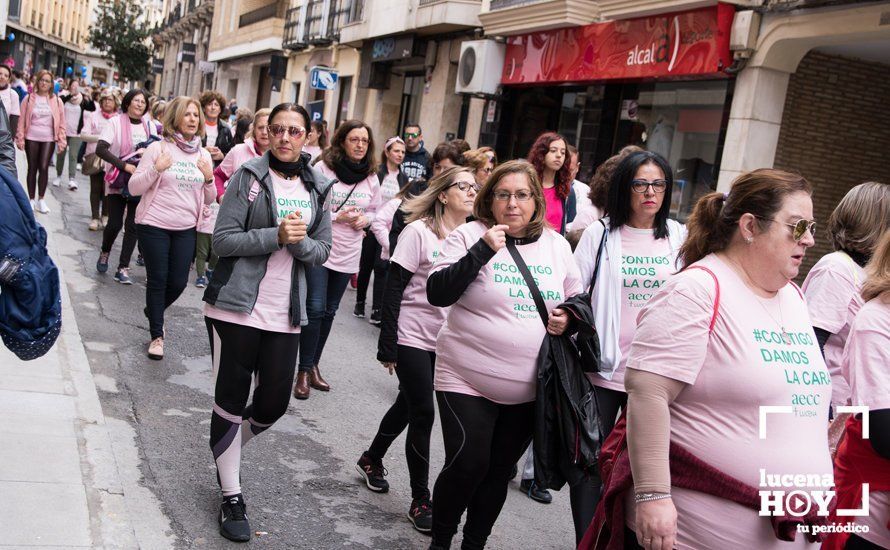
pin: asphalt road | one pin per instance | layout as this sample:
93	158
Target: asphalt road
298	477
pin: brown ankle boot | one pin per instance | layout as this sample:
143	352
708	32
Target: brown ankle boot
301	389
316	381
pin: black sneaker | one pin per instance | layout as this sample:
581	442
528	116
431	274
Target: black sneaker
421	514
531	489
375	317
359	310
233	519
373	472
140	261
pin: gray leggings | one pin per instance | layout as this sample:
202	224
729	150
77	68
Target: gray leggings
71	153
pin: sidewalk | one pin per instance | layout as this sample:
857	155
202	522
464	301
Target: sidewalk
58	464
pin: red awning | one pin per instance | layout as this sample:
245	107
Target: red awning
689	43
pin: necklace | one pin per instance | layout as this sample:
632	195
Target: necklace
786	336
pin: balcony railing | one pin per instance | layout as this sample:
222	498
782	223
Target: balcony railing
293	35
504	4
321	22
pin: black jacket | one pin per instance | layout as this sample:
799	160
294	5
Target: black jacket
567	426
224	139
417	164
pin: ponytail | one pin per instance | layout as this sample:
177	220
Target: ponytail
715	218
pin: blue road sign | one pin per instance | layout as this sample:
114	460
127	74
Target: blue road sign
323	78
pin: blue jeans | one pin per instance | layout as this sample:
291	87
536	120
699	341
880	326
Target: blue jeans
324	292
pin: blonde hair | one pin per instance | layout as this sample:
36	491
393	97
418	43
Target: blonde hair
427	206
52	82
262	112
482	209
877	271
862	216
476	159
158	106
175	112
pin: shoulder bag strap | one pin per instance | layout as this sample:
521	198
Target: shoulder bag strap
530	282
342	204
599	255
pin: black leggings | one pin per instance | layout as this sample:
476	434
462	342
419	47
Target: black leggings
115	207
483	441
371	261
97	199
168	255
415	409
38	153
242	354
609	402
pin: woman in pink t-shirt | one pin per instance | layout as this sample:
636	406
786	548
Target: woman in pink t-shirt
392	181
548	155
175	179
866	365
725	369
355	197
832	286
94	125
273	225
408	334
486	353
41	126
316	141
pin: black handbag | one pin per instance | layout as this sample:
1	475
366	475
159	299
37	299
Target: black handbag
587	340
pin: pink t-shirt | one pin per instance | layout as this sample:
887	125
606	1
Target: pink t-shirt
491	338
177	193
94	124
554	208
11	102
382	225
41	128
866	365
212	130
272	308
207	220
832	291
313	150
419	322
389	186
645	267
731	373
346	248
237	156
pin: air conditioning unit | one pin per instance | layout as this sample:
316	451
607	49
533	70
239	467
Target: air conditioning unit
480	67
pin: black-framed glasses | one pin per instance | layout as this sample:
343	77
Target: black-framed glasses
504	196
278	130
412	135
465	185
640	186
798	229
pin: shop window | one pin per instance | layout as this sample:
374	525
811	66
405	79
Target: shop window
684	122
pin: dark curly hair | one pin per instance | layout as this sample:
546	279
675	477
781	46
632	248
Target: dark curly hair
563	179
210	95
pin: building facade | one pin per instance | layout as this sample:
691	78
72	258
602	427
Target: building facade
47	34
182	43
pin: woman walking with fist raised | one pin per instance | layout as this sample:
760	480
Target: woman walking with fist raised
175	179
271	228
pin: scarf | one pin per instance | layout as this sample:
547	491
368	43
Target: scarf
189	147
4	87
288	169
76	99
108	116
350	172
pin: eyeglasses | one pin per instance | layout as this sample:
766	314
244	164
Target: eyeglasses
504	196
640	186
412	135
465	185
488	169
798	228
277	130
356	140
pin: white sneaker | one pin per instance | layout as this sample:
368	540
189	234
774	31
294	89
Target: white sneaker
72	185
57	182
42	207
33	204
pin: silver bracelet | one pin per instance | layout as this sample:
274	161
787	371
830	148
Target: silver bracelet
648	497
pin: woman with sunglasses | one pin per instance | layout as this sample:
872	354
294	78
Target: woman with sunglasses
486	353
726	337
392	180
631	253
355	197
175	180
272	227
41	125
408	335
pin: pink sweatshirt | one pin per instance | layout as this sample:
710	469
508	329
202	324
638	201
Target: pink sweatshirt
172	199
346	248
237	156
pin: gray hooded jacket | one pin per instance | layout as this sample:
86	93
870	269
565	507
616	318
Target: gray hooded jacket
246	235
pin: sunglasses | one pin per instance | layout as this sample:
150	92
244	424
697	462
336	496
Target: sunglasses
798	229
277	130
412	135
465	185
640	186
